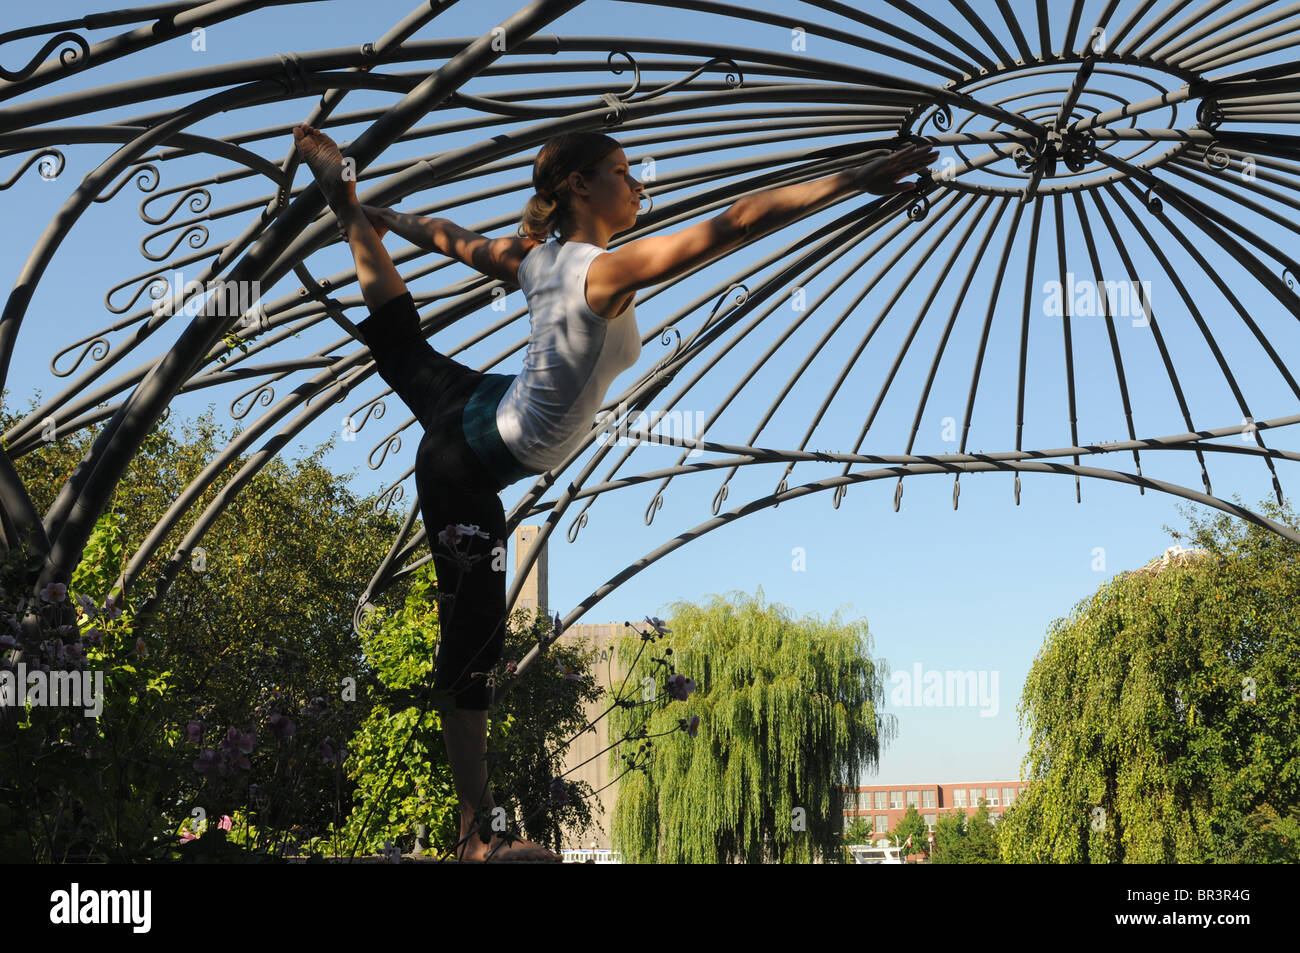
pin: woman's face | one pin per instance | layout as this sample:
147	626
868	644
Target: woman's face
613	194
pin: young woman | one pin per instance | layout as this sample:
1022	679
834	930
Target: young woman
483	432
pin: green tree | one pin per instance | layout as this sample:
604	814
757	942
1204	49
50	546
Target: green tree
790	713
981	841
1163	712
256	628
911	825
950	838
858	831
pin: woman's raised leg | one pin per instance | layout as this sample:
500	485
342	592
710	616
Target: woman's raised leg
378	277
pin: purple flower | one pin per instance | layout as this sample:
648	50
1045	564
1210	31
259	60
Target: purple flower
93	636
450	535
54	592
110	608
195	731
679	686
207	763
694	729
187	836
281	727
7	642
657	624
140	648
225	823
236	746
328	754
567	672
239	740
559	791
87	605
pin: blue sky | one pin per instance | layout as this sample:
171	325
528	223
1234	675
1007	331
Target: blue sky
971	589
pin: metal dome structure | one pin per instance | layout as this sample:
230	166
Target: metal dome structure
1130	142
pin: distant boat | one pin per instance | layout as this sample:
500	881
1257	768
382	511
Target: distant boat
884	854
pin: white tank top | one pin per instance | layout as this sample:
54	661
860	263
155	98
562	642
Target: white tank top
573	356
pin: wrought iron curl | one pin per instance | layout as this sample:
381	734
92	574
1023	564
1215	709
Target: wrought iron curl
618	71
199	199
67	57
97	347
157	284
720	497
196	233
919	208
1153	201
263	394
1209	114
392	442
578	523
140	173
1215	159
663	339
388	497
48	158
656	504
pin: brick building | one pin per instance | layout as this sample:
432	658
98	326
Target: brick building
883	805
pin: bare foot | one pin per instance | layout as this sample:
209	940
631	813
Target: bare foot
498	851
322	155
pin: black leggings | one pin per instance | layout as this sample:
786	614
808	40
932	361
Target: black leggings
454	487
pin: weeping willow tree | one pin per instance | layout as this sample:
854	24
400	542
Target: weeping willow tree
789	712
1163	712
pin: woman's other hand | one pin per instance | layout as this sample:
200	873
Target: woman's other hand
881	176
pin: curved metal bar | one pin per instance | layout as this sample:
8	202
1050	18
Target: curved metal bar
833	483
49	170
76	59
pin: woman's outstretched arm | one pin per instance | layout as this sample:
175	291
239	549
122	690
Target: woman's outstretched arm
656	258
494	257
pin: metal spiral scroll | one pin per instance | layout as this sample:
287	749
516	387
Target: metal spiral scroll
1120	145
75	58
51	164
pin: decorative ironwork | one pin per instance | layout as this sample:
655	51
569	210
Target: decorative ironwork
1054	161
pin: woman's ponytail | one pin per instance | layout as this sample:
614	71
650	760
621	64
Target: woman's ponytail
547	212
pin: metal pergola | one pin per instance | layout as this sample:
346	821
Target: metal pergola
1139	133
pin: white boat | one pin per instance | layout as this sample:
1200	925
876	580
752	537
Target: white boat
869	854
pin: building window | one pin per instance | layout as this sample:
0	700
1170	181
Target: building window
913	799
864	800
927	799
974	797
882	800
882	824
895	800
991	796
929	820
1008	796
959	797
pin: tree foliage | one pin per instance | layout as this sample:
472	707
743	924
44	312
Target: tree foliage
1163	711
790	713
